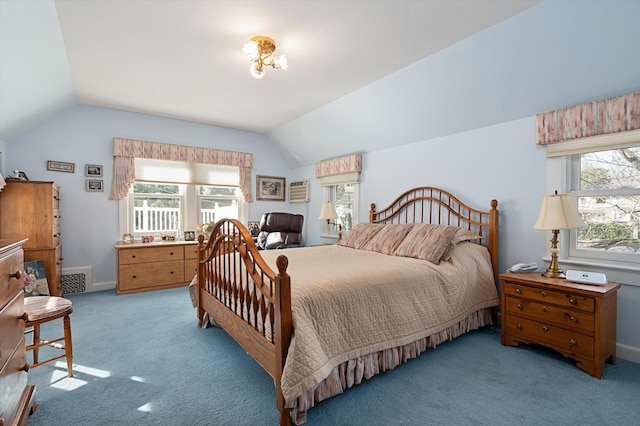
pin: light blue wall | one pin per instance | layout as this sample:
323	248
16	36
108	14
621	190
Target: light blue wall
84	135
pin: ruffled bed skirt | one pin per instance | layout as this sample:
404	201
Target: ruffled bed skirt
352	372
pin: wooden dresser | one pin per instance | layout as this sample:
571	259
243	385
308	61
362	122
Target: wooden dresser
577	320
17	399
155	266
31	209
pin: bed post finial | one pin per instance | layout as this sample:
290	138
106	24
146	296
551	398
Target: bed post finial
372	212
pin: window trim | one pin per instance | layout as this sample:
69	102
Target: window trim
189	210
328	194
559	177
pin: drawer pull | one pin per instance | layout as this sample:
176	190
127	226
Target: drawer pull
57	234
171	272
572	301
133	256
572	342
519	326
544	309
171	253
544	328
519	306
518	291
55	197
573	319
17	275
134	277
543	294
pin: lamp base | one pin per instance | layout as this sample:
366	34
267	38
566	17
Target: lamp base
549	273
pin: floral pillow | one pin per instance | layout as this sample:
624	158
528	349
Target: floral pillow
35	279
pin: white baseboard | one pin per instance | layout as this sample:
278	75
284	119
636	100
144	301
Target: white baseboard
628	353
102	286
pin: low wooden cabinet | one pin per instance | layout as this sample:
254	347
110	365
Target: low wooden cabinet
155	266
31	209
577	320
17	398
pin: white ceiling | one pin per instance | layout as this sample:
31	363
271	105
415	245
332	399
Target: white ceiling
183	59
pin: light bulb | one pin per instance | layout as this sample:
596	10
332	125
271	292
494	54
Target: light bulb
281	63
256	70
251	50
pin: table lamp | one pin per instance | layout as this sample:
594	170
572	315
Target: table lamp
557	212
329	212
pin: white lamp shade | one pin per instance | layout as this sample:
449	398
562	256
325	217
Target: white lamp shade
558	212
328	211
2	182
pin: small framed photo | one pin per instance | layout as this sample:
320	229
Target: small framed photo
254	228
189	235
270	188
94	185
93	170
61	166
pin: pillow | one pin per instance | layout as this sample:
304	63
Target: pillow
35	279
388	238
428	242
360	235
465	235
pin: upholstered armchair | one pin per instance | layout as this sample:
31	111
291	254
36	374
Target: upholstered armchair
280	230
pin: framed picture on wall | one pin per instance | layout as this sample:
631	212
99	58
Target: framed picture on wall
93	170
60	166
270	188
94	185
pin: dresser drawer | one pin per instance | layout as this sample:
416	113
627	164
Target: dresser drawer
12	326
549	335
577	320
191	251
543	295
13	383
151	254
134	276
9	287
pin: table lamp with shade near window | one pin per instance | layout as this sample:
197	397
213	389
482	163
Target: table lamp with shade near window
557	212
329	212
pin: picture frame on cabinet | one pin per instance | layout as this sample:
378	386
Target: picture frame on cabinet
270	188
93	170
61	166
94	185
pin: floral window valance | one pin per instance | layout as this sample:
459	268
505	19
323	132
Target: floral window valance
612	115
126	150
338	166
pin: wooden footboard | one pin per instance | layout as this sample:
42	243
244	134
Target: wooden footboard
243	295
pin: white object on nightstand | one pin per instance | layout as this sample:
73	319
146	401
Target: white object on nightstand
584	277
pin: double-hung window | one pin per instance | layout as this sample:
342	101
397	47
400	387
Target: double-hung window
345	199
172	197
603	176
606	185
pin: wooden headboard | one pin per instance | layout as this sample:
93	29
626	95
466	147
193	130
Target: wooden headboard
427	204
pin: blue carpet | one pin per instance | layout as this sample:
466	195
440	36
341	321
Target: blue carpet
141	360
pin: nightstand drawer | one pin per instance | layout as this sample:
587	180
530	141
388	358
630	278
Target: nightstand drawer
543	295
549	335
580	321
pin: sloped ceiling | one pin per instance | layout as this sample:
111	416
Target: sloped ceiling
183	59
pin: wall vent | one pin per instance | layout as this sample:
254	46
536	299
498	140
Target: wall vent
76	280
299	191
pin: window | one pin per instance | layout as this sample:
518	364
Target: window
171	196
217	202
157	207
345	198
606	186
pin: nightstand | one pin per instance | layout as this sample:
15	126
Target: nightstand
577	320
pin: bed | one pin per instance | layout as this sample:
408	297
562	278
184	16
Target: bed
322	319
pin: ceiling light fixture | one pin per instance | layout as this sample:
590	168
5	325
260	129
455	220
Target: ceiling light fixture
259	49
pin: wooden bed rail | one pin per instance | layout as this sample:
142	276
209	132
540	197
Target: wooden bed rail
427	204
247	298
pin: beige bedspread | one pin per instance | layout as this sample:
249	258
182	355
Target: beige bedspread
348	302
